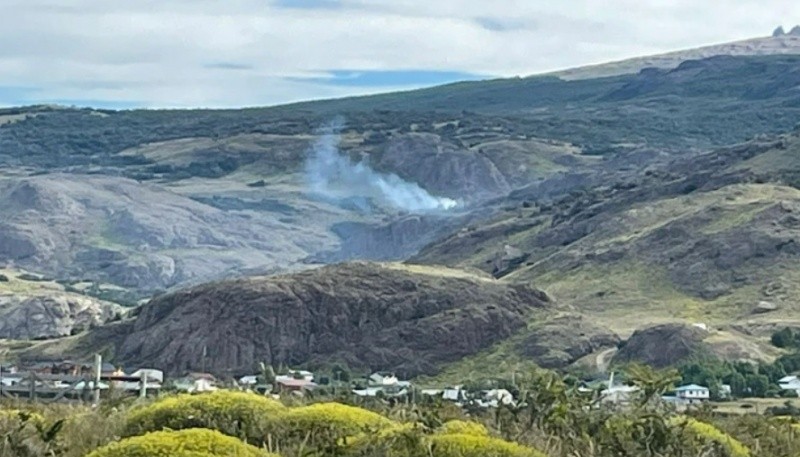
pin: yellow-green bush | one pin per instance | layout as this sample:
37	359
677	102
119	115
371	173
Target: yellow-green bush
461	445
347	420
25	433
326	425
706	433
17	417
400	440
242	414
182	443
459	427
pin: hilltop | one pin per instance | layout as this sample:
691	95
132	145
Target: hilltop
780	43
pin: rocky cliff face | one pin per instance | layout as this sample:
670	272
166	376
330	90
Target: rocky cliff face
32	307
55	314
381	317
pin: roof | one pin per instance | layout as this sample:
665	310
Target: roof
787	379
690	387
295	383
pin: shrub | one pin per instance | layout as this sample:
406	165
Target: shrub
706	434
461	445
327	426
242	414
349	420
458	427
401	440
183	443
27	434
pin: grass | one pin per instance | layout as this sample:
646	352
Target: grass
438	271
751	405
17	286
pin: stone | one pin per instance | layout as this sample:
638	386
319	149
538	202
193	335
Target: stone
765	307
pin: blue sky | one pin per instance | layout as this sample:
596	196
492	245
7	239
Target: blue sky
207	53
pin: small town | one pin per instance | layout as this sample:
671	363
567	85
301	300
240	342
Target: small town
71	381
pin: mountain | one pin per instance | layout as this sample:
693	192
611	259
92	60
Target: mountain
648	197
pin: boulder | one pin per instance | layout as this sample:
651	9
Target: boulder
765	307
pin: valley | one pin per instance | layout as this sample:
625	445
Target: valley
440	232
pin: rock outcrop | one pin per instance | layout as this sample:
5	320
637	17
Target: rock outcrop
55	315
563	340
664	345
407	319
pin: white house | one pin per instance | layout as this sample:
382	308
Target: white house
692	393
249	380
496	397
456	394
790	383
153	375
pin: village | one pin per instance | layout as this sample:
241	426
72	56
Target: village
68	380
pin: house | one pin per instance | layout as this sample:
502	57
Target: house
302	374
385	384
248	381
725	391
152	375
456	394
618	394
790	383
692	393
495	397
291	384
196	382
611	392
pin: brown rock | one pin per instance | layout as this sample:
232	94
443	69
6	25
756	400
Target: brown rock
366	315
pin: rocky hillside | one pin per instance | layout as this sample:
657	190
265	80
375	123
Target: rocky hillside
36	308
621	196
707	238
159	200
377	316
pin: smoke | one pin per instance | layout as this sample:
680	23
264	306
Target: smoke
334	175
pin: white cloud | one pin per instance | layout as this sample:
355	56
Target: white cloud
247	52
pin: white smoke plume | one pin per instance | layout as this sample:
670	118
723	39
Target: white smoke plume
334	175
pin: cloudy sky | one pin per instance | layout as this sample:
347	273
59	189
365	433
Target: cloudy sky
230	53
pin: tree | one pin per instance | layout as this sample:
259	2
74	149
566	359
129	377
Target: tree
738	385
651	382
784	338
267	373
758	384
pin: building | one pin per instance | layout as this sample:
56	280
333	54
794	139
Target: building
292	384
692	393
386	385
196	382
790	383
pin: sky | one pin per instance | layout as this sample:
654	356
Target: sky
235	53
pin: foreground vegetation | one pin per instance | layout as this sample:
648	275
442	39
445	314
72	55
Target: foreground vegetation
551	419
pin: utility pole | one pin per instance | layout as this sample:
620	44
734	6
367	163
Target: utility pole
143	387
98	366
